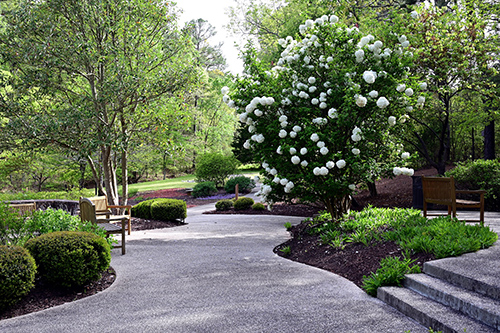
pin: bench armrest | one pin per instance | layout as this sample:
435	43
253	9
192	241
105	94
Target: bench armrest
471	191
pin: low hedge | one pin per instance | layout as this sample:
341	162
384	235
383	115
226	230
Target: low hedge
224	204
70	258
258	206
17	274
243	203
161	209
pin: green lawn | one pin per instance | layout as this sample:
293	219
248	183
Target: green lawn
179	182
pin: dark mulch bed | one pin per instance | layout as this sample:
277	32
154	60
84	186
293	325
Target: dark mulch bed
353	262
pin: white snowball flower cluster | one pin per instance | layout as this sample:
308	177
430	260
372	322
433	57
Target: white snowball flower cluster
392	120
314	137
303	151
420	101
373	94
323	171
402	171
324	151
360	55
352	187
382	102
320	121
361	101
282	134
330	164
405	155
404	41
340	164
356	134
295	159
370	76
423	86
356	151
332	113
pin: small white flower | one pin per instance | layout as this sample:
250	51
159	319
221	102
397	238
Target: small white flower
293	134
392	120
352	187
402	39
396	171
323	171
265	165
224	90
315	101
283	118
303	94
312	89
303	151
320	144
382	102
282	134
279	151
401	87
258	113
293	151
251	129
356	137
276	180
423	86
414	14
361	101
405	44
307	59
373	94
260	138
332	113
273	172
297	128
324	151
334	19
421	100
317	171
295	159
323	105
283	181
246	145
304	163
315	137
340	164
405	155
330	164
311	80
329	59
369	76
355	151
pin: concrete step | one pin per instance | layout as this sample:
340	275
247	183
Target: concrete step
430	313
477	306
478	272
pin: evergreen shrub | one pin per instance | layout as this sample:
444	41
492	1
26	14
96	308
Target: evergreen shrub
258	206
70	258
245	184
17	274
168	210
243	203
204	189
224	204
215	167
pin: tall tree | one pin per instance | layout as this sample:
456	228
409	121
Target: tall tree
209	56
83	74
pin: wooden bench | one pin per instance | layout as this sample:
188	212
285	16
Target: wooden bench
88	213
24	208
441	191
103	209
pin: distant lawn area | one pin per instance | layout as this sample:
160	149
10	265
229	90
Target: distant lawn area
179	182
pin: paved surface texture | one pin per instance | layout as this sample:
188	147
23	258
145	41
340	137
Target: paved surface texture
217	274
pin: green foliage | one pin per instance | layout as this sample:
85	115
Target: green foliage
70	258
391	273
62	195
479	175
258	206
204	189
286	250
288	226
143	209
168	210
12	230
245	184
243	203
17	274
224	204
215	167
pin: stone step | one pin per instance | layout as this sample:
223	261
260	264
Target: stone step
477	306
430	313
478	272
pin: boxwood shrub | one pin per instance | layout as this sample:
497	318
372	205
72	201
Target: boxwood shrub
224	204
168	210
258	206
204	189
243	203
17	274
245	184
70	258
143	209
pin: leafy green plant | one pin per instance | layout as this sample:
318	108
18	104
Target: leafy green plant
245	184
288	225
224	204
286	250
70	258
132	192
479	175
12	226
17	274
143	209
63	195
215	167
258	206
243	203
168	210
391	273
204	189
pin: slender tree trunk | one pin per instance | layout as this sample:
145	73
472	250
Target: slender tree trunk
338	206
489	141
372	188
96	174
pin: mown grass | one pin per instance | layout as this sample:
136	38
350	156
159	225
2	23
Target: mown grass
441	236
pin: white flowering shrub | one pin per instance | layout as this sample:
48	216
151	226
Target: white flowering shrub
332	107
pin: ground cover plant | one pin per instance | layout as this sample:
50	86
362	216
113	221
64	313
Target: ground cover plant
411	236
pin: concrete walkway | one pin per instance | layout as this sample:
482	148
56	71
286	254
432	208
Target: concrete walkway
218	273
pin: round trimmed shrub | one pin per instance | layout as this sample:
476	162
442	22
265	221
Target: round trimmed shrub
17	274
204	189
143	209
243	203
70	258
245	184
258	206
224	204
168	209
215	167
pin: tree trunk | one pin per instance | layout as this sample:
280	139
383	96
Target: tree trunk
124	198
338	206
489	141
372	188
109	175
97	178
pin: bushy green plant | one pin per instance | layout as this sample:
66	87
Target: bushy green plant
479	175
215	167
245	184
17	274
64	195
391	273
12	226
70	258
224	204
258	206
168	210
243	203
143	209
204	189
